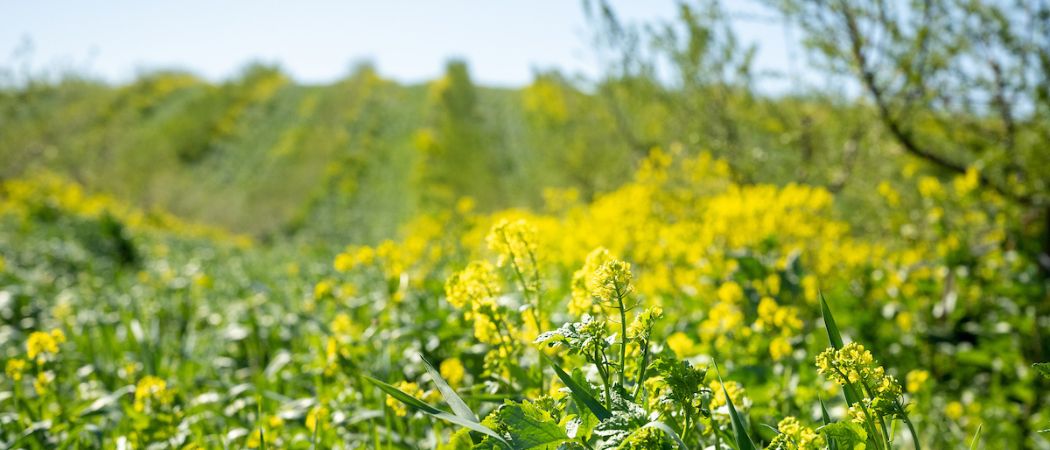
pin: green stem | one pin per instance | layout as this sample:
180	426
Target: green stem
641	372
911	427
623	338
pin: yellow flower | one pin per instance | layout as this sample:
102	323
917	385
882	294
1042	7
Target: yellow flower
322	289
42	381
916	379
967	182
474	283
41	345
584	283
930	187
954	410
681	345
452	371
730	292
613	280
735	390
255	438
342	326
317	416
151	391
14	368
779	348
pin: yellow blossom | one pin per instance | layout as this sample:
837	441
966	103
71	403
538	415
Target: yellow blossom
150	392
916	379
452	371
14	368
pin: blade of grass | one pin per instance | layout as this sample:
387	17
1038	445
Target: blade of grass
976	437
580	394
743	441
826	418
459	407
418	405
829	324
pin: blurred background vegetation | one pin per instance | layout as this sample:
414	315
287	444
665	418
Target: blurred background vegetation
903	96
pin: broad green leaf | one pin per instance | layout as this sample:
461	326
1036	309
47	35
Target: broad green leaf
418	405
454	401
1043	368
579	393
847	435
743	441
530	428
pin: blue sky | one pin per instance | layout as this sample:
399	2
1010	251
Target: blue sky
317	42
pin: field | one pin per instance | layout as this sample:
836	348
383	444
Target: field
260	263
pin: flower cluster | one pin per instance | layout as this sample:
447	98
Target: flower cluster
854	367
795	436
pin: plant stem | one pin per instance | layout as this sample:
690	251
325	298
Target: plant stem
641	372
623	338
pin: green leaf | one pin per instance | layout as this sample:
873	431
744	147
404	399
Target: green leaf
829	323
667	430
827	420
529	427
418	405
1043	368
976	437
458	405
579	393
846	435
824	412
835	337
743	441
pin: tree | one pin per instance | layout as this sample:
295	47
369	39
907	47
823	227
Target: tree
961	84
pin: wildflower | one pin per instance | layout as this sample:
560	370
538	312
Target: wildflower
322	289
735	390
515	242
646	438
452	371
643	323
730	292
317	417
42	381
584	283
779	348
794	435
613	280
342	326
916	379
151	391
474	283
856	414
14	368
954	410
255	439
681	345
354	257
930	187
42	345
967	182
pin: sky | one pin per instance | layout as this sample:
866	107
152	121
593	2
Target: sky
504	42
